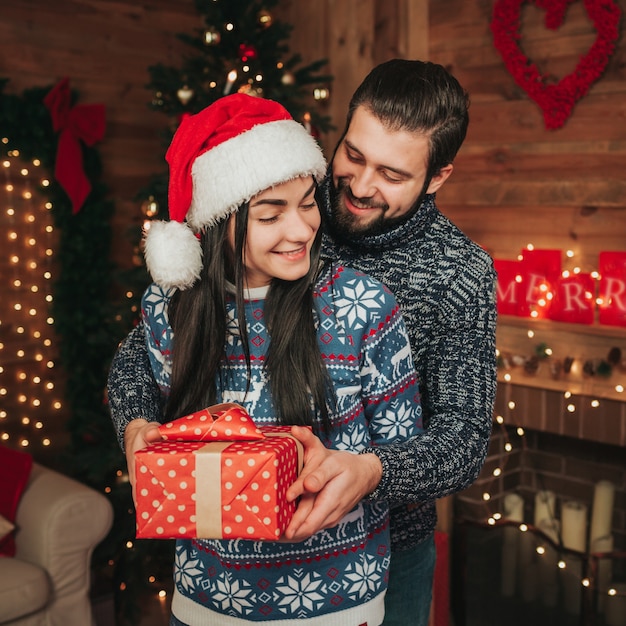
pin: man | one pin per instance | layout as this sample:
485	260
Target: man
405	124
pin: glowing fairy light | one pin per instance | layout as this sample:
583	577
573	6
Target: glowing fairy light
25	302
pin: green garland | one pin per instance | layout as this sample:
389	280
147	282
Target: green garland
89	322
81	307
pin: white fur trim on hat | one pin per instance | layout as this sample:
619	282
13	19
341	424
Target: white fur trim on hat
237	169
173	254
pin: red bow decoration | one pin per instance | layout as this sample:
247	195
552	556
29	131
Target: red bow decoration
220	422
555	99
83	122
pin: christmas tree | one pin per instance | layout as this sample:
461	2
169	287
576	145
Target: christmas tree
241	48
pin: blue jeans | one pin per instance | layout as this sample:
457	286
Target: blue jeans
410	590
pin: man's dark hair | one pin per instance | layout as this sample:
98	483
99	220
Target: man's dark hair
421	97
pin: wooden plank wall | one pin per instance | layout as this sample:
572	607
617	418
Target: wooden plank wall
354	35
105	48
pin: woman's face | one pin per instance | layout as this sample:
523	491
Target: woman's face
282	224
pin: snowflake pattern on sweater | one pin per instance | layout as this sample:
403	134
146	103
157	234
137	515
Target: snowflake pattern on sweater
340	571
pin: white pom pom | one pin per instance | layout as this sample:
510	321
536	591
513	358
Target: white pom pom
173	254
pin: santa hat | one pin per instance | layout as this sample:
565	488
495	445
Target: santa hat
220	158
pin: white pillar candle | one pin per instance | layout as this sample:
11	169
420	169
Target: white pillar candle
544	506
602	511
574	523
615	606
513	507
605	568
551	529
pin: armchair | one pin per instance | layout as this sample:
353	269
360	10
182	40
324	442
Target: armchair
59	522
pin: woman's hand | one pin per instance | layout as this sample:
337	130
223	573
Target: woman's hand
139	434
330	485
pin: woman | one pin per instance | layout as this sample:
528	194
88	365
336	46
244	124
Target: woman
242	310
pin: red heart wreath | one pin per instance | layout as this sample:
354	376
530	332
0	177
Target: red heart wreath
556	100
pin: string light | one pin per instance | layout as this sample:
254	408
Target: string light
27	385
494	519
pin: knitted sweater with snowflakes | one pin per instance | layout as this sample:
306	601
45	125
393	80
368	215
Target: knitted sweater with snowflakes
445	286
339	575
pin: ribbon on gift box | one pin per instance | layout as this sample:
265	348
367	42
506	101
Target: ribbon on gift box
221	422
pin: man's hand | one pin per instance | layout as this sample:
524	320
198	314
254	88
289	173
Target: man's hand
138	434
331	483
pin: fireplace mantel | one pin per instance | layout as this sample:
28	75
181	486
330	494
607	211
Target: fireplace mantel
522	339
535	389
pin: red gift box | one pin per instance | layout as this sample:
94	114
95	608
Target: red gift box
217	476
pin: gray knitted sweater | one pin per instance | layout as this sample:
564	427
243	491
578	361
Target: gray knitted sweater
445	286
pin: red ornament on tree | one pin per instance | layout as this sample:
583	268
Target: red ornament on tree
247	52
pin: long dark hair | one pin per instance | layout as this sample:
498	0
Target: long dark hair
299	383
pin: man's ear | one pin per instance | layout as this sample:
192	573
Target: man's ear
439	179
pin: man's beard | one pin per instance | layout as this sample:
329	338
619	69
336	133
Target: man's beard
347	225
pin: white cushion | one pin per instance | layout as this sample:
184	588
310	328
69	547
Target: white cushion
24	588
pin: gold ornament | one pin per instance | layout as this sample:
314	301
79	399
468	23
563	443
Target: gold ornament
251	90
212	36
321	93
288	79
265	18
150	207
185	94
